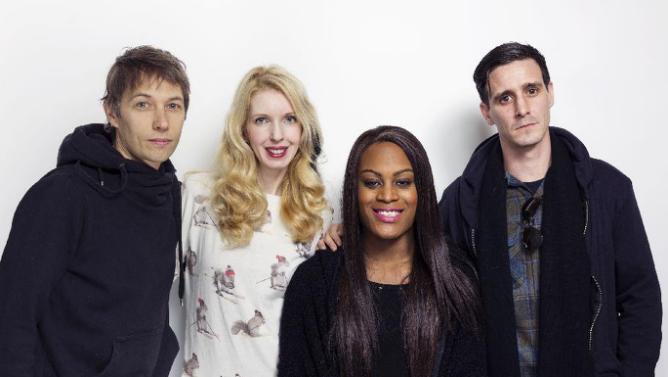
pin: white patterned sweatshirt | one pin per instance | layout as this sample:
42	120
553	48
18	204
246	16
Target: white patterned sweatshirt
234	296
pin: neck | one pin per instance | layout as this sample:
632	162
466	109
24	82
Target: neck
120	147
270	181
388	261
528	164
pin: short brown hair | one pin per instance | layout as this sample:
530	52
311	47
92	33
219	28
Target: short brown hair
141	62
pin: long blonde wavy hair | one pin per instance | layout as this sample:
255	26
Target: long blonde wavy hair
237	199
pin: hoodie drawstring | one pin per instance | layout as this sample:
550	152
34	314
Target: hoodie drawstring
177	214
124	179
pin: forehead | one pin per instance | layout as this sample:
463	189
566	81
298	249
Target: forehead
270	101
154	86
514	75
384	156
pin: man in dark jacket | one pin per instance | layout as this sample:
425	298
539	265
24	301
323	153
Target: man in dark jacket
567	279
86	272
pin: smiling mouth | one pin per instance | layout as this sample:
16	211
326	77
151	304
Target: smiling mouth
388	215
276	152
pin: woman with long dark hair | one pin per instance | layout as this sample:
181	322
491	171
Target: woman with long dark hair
393	301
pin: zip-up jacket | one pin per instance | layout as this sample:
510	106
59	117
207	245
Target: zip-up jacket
624	333
86	272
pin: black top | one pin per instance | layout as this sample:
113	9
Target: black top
308	312
624	323
89	263
391	358
533	186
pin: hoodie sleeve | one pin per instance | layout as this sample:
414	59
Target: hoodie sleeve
44	234
638	296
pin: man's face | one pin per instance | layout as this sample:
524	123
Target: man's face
519	104
149	123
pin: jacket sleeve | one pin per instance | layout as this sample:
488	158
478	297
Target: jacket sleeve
300	338
638	297
44	234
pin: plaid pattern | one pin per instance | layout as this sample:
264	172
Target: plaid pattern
524	271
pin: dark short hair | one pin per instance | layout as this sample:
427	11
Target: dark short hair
502	55
138	63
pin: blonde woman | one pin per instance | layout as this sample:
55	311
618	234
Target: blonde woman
248	225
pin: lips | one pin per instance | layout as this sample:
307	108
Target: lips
276	152
160	142
388	215
526	125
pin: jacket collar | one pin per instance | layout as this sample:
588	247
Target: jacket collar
472	177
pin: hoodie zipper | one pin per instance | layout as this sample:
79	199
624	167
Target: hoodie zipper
473	245
584	232
597	312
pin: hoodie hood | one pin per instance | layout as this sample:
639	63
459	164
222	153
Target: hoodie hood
471	180
90	150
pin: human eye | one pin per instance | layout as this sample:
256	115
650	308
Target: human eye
504	99
142	105
404	182
291	119
533	90
371	183
174	106
261	120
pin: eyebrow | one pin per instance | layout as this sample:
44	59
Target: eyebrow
407	170
175	98
267	115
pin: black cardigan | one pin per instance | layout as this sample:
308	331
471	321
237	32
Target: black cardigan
308	312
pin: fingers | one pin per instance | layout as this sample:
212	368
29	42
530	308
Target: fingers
332	237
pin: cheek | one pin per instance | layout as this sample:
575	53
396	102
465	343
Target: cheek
176	120
255	136
294	134
364	199
412	200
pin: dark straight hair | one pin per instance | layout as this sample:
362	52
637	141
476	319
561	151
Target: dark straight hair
437	297
502	55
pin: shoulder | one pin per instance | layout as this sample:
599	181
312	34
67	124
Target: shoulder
608	181
452	188
318	270
606	173
56	199
57	185
198	182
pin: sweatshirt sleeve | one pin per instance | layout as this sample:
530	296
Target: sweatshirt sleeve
44	234
638	296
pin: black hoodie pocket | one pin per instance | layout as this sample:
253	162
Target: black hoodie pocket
134	355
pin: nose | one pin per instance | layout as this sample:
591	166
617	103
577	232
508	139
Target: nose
160	122
387	194
521	107
276	132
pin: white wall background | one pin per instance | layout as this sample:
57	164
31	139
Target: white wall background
363	63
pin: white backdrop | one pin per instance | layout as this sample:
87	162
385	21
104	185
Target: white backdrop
363	64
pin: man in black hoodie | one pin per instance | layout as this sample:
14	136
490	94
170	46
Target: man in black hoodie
567	280
86	272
